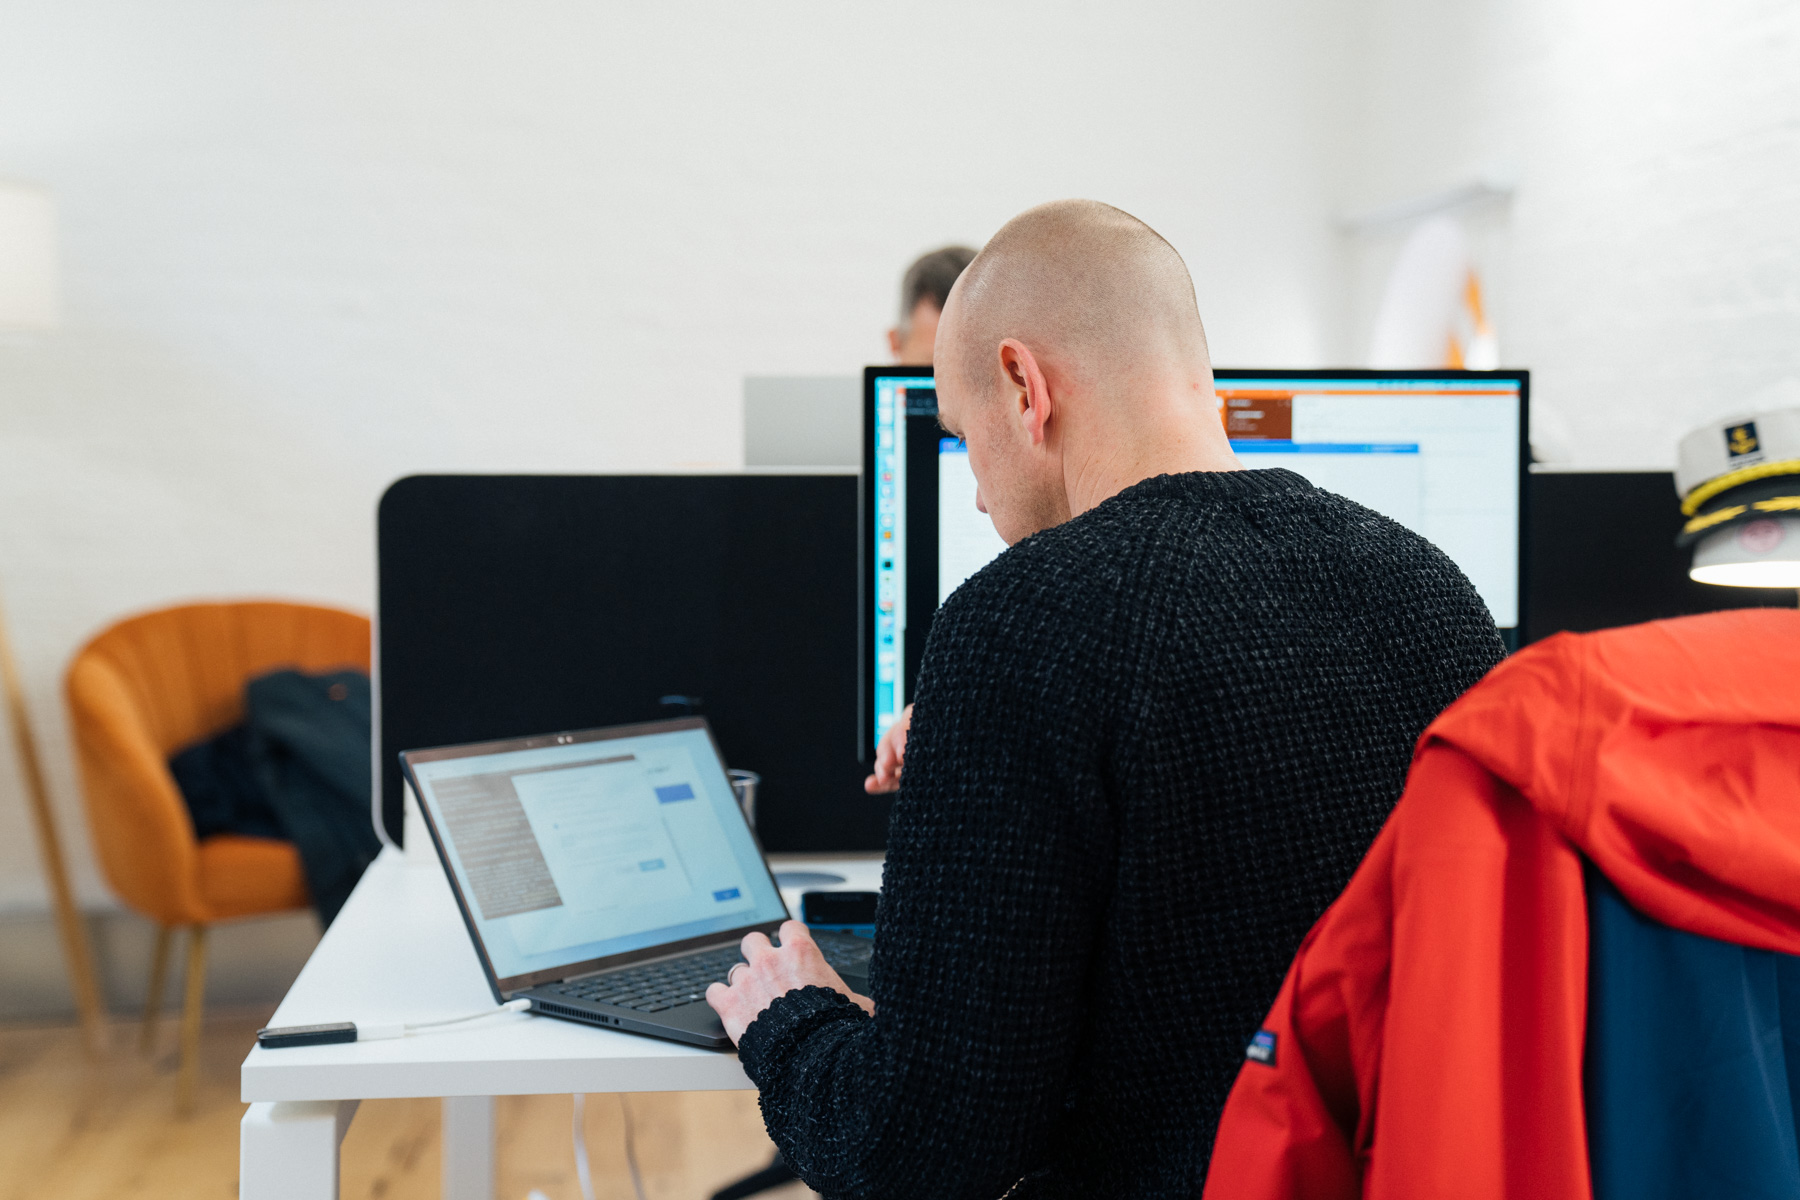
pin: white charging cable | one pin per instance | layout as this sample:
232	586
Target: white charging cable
637	1180
375	1033
584	1175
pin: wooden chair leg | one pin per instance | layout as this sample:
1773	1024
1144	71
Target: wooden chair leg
159	974
191	1007
69	922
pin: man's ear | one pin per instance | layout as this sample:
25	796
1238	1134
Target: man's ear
1031	391
894	344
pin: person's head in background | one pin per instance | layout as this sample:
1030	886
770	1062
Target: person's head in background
1072	360
923	293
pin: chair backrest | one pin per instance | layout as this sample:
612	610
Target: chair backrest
155	683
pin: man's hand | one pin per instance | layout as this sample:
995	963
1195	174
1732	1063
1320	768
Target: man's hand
769	972
890	756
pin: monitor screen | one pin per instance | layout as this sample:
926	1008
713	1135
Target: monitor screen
594	844
1442	452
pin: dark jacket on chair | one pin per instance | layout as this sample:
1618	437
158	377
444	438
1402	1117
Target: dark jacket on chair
297	768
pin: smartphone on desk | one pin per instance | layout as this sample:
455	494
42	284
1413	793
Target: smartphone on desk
840	912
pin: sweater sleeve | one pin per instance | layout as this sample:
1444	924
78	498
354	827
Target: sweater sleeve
995	887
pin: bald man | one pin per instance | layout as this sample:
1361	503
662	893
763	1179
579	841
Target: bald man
1152	740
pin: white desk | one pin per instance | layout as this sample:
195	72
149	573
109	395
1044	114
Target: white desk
399	952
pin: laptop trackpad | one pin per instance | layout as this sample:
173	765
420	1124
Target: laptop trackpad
697	1018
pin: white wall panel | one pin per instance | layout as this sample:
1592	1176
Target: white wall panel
1648	269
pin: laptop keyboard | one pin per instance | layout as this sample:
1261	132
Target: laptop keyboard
845	951
658	986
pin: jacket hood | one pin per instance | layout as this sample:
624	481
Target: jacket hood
1668	754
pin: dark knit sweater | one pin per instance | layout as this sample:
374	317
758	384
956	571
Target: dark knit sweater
1149	747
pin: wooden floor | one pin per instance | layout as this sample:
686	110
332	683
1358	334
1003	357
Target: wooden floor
75	1129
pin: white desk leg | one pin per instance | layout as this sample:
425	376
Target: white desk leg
468	1141
289	1150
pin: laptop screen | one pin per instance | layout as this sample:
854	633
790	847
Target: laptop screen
578	847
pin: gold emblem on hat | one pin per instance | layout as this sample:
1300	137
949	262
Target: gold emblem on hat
1742	440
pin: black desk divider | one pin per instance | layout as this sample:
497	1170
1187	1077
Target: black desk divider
516	605
528	604
1601	547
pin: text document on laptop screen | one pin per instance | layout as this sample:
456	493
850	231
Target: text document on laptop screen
570	853
1440	452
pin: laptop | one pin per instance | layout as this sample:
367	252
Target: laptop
607	875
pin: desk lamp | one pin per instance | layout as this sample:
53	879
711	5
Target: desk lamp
1739	482
28	304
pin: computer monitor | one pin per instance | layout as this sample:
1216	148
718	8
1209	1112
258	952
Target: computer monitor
1443	452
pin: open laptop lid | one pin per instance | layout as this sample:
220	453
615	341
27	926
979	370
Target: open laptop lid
572	852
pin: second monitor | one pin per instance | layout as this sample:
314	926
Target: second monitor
1443	452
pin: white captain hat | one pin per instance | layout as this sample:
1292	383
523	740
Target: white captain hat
1736	471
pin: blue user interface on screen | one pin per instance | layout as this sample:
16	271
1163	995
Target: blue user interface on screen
571	853
894	397
1441	455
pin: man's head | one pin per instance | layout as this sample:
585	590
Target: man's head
1071	357
922	295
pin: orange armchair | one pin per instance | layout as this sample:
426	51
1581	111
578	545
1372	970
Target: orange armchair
154	684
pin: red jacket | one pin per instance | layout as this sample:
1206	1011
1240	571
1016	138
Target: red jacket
1428	1037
